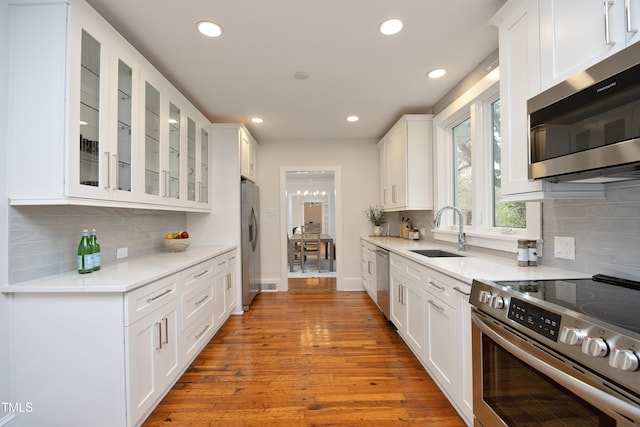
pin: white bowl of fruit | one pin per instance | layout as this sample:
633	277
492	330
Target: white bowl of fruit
177	242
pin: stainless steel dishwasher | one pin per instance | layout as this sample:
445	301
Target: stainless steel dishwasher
382	281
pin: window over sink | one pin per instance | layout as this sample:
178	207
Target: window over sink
467	155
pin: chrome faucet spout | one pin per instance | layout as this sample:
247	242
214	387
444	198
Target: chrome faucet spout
461	235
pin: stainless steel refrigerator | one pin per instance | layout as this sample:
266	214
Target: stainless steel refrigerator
251	285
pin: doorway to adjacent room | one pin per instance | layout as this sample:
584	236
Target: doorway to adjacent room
310	197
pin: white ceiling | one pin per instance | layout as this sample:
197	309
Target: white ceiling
354	70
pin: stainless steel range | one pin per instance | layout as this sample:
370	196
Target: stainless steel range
556	352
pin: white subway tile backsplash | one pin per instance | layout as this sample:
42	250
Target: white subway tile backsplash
606	231
44	239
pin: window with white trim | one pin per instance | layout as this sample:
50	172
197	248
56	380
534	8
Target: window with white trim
468	165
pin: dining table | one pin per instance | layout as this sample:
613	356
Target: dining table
325	239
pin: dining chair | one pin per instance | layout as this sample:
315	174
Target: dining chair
311	242
294	252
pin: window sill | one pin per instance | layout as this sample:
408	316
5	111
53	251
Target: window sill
507	242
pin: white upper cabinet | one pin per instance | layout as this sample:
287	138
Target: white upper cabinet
98	125
518	26
576	34
248	154
406	164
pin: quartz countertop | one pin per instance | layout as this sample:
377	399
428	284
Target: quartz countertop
122	276
471	265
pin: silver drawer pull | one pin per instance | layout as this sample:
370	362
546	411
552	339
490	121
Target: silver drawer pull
440	288
166	330
202	273
223	262
159	327
436	306
460	291
167	291
206	328
204	298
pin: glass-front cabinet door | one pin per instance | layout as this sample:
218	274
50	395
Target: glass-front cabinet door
191	160
90	111
124	122
173	174
151	140
204	167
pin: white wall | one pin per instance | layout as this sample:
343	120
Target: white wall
359	163
5	355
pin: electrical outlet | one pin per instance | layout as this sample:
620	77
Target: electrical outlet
122	253
564	247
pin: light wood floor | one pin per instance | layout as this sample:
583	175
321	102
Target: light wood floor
311	284
306	359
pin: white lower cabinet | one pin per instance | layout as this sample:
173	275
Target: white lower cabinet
407	302
368	267
152	357
112	356
433	317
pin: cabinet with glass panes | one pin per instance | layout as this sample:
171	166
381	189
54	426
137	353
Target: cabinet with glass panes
106	125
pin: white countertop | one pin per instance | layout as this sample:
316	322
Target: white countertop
472	265
122	276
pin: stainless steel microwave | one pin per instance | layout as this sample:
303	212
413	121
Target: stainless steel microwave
588	127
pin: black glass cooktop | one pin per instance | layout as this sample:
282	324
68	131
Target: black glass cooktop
615	301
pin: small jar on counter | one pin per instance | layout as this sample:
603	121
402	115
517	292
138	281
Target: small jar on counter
532	253
523	253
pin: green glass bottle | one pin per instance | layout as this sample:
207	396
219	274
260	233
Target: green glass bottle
95	246
85	258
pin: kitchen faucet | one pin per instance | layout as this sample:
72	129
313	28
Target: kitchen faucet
461	237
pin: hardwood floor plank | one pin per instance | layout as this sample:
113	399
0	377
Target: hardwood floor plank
306	359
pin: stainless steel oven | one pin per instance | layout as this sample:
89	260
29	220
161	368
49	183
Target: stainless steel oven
544	356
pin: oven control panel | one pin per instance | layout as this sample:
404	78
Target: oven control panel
538	320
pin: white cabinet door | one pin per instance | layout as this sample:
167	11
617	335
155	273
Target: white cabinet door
152	357
397	297
576	34
248	153
441	337
416	318
464	395
232	284
406	164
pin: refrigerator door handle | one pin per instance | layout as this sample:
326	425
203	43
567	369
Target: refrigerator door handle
253	229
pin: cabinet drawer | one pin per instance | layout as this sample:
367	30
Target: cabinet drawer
142	301
396	264
441	286
193	276
231	258
220	263
196	301
198	333
415	271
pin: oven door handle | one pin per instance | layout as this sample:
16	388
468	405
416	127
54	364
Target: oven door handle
585	391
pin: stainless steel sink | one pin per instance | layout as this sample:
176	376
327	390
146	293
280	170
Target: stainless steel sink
434	253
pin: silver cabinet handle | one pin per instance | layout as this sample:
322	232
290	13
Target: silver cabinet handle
440	288
228	280
436	306
204	298
460	291
167	291
205	329
607	31
166	332
627	13
107	167
369	266
116	175
393	193
202	273
159	327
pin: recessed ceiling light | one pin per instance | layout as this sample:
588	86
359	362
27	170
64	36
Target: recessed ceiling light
391	26
209	28
353	118
436	73
257	120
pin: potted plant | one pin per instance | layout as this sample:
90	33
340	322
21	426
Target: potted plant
375	215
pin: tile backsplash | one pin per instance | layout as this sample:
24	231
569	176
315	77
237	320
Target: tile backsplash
43	240
606	231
